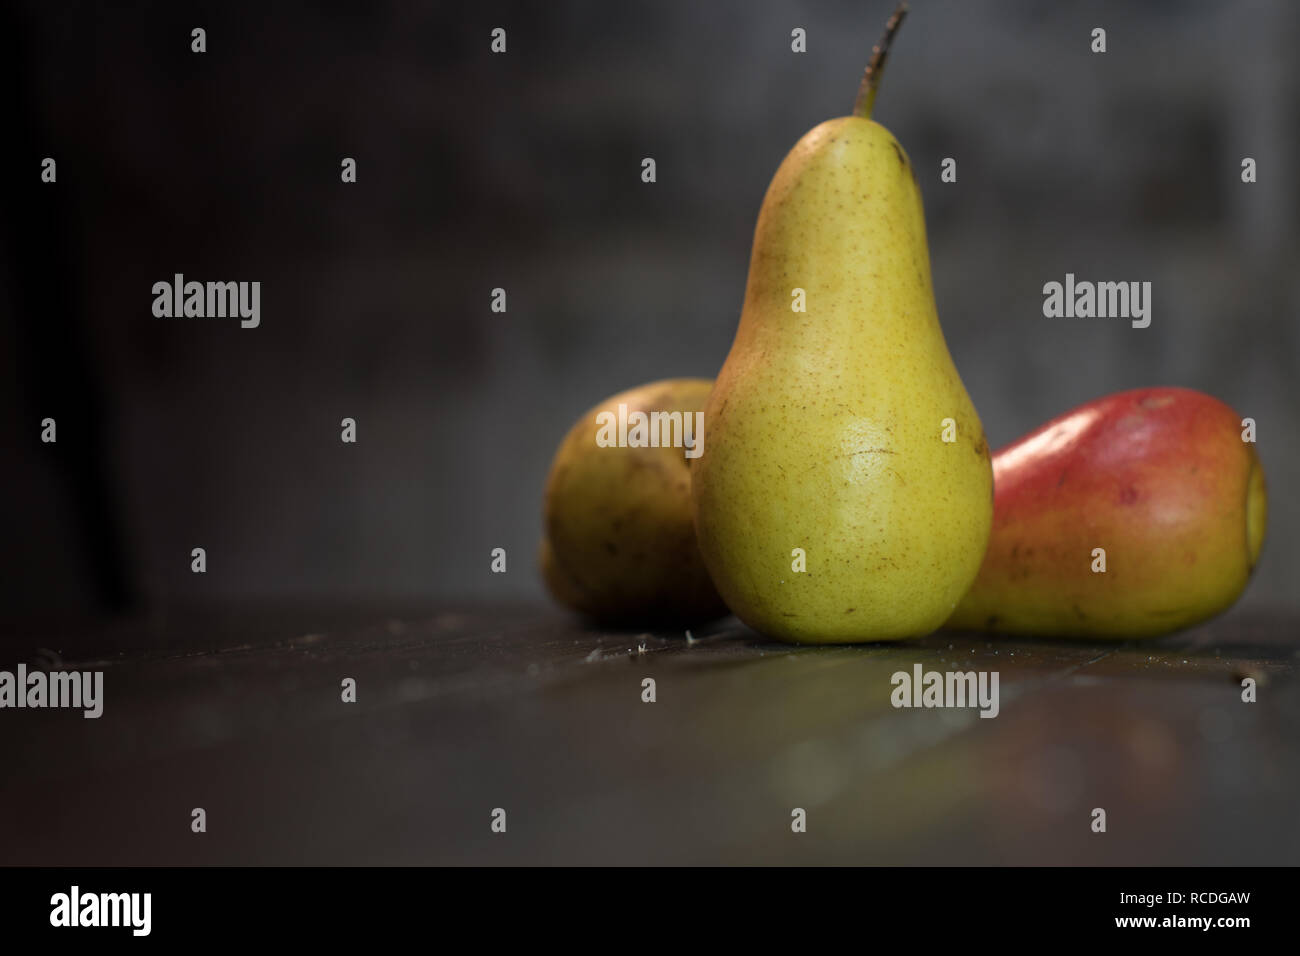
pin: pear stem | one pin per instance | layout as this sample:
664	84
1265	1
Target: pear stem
866	100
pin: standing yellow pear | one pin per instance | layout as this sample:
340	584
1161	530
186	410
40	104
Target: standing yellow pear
845	490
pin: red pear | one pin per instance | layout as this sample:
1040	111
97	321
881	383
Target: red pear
1134	515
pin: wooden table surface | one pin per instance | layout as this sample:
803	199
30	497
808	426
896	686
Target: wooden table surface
464	710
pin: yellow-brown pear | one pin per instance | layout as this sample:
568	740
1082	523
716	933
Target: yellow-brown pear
619	546
845	492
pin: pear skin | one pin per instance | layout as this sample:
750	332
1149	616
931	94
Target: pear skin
840	438
1161	480
619	544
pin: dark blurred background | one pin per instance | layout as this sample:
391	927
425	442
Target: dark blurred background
523	171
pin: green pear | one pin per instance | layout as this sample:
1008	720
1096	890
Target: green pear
619	545
845	491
